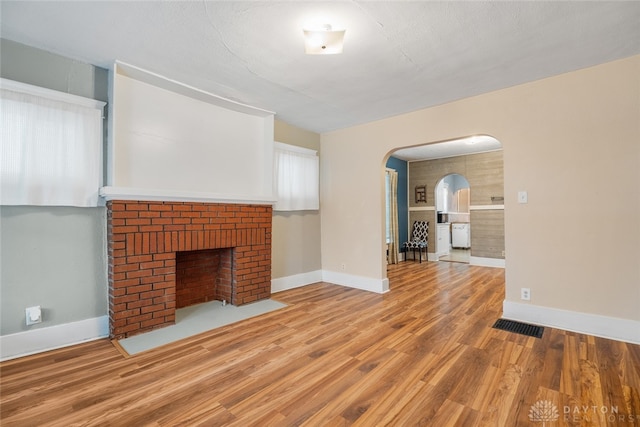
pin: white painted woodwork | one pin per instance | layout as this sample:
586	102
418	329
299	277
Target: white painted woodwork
173	138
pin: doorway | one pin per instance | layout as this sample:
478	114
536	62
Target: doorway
453	230
479	160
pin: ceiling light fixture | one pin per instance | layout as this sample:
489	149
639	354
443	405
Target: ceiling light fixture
324	41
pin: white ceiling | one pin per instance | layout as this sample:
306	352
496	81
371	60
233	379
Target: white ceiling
398	56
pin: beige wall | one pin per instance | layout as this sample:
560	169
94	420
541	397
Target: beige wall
571	141
295	235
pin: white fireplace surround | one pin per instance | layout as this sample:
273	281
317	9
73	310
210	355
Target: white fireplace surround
169	141
154	195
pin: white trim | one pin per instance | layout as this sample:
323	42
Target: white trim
294	148
147	194
409	258
421	208
432	256
441	254
295	281
592	324
163	82
51	94
471	208
45	339
474	260
379	286
487	262
486	207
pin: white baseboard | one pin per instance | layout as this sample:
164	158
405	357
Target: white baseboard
487	262
474	260
585	323
44	339
408	256
379	286
295	281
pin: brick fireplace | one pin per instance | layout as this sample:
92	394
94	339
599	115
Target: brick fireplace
213	250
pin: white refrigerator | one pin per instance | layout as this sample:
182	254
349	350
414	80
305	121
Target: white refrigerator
461	235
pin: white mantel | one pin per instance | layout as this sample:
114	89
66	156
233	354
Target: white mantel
155	195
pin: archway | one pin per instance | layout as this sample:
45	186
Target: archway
453	230
470	157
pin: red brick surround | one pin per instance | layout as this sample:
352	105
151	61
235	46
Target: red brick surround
143	238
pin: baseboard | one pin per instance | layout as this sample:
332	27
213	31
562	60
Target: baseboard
487	262
295	281
379	286
44	339
585	323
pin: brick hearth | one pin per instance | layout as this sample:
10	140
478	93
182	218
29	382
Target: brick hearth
143	238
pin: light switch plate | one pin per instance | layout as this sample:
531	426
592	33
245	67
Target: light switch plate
523	197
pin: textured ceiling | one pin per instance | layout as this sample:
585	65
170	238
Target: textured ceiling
398	56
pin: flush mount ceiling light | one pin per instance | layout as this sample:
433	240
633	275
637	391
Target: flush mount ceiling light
324	41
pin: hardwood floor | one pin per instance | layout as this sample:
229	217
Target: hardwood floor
422	354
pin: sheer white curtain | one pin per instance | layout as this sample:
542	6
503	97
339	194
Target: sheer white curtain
51	151
296	178
392	216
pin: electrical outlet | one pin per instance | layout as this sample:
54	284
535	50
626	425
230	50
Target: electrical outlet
502	253
525	294
343	266
33	315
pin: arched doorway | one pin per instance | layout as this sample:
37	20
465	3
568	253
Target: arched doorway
479	159
453	230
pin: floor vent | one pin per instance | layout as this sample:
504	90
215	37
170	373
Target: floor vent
519	328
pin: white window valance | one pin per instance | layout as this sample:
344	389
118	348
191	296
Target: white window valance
51	151
296	178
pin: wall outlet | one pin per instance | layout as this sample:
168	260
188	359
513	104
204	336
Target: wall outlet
525	294
502	253
33	315
343	266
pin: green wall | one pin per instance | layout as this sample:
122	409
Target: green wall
54	257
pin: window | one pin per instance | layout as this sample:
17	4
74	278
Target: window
51	151
296	178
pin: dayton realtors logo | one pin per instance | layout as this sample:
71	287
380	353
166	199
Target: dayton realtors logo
545	411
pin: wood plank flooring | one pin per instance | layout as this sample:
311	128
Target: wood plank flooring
422	354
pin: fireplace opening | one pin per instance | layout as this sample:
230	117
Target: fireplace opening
203	276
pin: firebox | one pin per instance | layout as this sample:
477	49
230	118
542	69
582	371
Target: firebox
203	276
